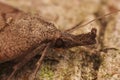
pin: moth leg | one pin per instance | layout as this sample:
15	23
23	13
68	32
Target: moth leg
26	59
40	60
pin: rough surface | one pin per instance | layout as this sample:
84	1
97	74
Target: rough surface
20	37
77	63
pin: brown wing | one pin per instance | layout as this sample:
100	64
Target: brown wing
5	8
7	14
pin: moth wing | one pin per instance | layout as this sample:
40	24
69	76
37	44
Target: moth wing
7	14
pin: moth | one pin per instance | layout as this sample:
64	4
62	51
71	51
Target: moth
23	36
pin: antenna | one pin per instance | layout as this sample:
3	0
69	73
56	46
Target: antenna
78	25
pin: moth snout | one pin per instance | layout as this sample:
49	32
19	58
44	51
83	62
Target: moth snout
94	30
93	33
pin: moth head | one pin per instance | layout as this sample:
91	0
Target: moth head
68	40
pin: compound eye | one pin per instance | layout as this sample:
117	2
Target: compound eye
59	43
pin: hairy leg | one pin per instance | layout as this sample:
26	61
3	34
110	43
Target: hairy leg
40	60
26	59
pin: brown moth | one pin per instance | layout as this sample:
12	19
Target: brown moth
25	35
21	33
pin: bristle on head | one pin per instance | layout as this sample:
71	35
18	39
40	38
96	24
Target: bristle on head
94	30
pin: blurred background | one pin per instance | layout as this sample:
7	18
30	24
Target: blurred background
80	63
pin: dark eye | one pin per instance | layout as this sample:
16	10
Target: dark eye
59	43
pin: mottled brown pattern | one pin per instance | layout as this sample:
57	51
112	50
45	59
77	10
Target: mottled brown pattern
21	33
24	33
